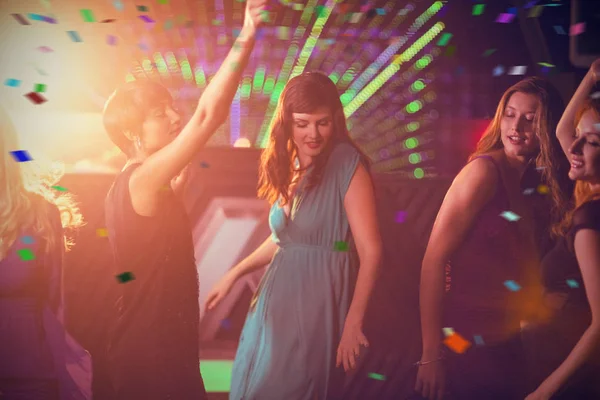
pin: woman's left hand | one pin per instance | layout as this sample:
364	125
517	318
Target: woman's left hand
539	394
349	347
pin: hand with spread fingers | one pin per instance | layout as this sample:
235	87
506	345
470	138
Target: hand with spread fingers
349	347
256	13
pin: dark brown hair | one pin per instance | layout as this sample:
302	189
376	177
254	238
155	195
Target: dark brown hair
583	191
127	108
304	93
550	158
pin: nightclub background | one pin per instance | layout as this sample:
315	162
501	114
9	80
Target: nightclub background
419	81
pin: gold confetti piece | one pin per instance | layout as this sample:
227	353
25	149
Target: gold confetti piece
457	343
102	232
543	189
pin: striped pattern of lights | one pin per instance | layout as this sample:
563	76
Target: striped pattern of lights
311	42
161	65
259	80
392	69
199	76
235	117
388	53
285	72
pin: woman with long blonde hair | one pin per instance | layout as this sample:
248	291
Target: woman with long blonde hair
485	230
35	351
565	350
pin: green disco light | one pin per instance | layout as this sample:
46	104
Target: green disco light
418	173
216	375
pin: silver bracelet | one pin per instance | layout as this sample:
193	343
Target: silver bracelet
419	363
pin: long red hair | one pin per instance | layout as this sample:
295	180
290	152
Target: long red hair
304	93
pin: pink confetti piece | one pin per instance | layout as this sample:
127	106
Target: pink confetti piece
45	49
577	29
36	98
111	40
505	18
146	18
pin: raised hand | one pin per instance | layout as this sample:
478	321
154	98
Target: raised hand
255	15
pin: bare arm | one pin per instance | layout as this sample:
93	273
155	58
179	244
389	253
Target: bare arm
359	203
565	129
258	259
587	250
471	190
212	110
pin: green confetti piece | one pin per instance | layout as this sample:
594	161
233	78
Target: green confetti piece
535	11
163	1
142	8
379	377
59	188
39	88
87	15
543	64
489	52
341	246
444	39
478	9
510	216
125	277
26	254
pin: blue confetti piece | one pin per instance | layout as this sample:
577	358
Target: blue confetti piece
499	70
35	17
572	283
478	340
512	286
512	10
510	216
21	155
12	82
118	5
27	240
559	30
74	36
380	11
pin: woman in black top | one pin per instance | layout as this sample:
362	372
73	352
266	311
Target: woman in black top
154	346
569	344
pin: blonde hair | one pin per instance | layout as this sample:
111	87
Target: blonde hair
26	195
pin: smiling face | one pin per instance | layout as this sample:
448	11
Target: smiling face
517	126
161	125
585	150
311	133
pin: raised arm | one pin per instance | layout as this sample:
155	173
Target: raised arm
471	190
212	111
565	130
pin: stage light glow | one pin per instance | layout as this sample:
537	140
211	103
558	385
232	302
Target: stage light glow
242	142
414	158
259	79
411	143
200	77
269	85
419	173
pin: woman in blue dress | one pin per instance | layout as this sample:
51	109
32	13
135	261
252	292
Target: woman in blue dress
305	320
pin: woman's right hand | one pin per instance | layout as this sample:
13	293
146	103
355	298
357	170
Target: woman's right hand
431	381
219	291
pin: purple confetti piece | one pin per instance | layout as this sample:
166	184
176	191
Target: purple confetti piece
401	217
50	20
111	40
505	18
146	18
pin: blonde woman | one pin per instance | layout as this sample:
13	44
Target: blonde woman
35	351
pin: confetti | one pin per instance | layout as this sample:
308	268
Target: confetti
505	18
488	52
118	5
559	30
204	164
543	189
39	88
12	82
528	191
142	8
50	20
146	18
448	331
35	98
355	19
512	10
595	95
577	29
35	17
457	343
26	254
510	216
378	377
380	11
341	246
535	12
28	240
59	188
400	217
543	64
572	283
478	340
111	40
531	4
517	70
102	232
45	49
499	70
107	21
20	19
74	36
163	1
444	39
125	277
87	15
478	9
512	286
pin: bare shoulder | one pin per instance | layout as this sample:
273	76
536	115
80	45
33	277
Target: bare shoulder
480	173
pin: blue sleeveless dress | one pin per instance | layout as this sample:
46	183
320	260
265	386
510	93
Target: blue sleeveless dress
288	345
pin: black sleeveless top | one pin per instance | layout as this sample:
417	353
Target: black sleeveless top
157	328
